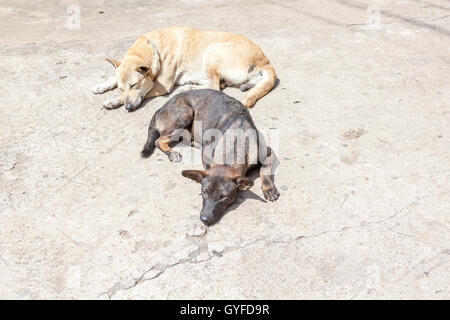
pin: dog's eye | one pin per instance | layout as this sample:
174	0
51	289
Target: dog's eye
223	198
134	85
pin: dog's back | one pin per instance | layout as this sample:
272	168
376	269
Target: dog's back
205	113
215	109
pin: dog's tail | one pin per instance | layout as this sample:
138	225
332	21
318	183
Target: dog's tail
262	87
153	134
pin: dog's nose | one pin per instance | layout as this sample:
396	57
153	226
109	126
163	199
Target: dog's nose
129	107
204	219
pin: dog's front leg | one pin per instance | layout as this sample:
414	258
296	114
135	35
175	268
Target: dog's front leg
105	86
267	176
113	103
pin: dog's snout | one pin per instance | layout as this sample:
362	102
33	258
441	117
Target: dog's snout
132	105
128	105
204	219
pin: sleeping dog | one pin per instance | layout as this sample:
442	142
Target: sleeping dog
230	143
197	59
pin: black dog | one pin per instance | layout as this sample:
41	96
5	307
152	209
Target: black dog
230	142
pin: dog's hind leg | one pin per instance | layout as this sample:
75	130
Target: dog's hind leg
213	80
212	58
105	86
267	176
262	87
171	123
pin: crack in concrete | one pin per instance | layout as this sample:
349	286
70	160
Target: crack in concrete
160	268
191	259
12	166
68	237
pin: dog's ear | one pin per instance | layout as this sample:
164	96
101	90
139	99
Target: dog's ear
196	175
114	62
143	69
243	183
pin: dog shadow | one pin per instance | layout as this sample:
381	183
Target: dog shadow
175	92
145	102
277	83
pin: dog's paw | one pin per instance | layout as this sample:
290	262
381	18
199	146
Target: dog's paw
98	89
246	86
112	104
175	156
271	194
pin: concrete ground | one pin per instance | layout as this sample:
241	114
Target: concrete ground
363	114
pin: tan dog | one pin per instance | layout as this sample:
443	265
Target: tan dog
163	58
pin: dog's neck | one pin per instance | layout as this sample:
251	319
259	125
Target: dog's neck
153	44
155	64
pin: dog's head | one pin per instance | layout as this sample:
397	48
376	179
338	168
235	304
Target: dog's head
220	186
136	77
